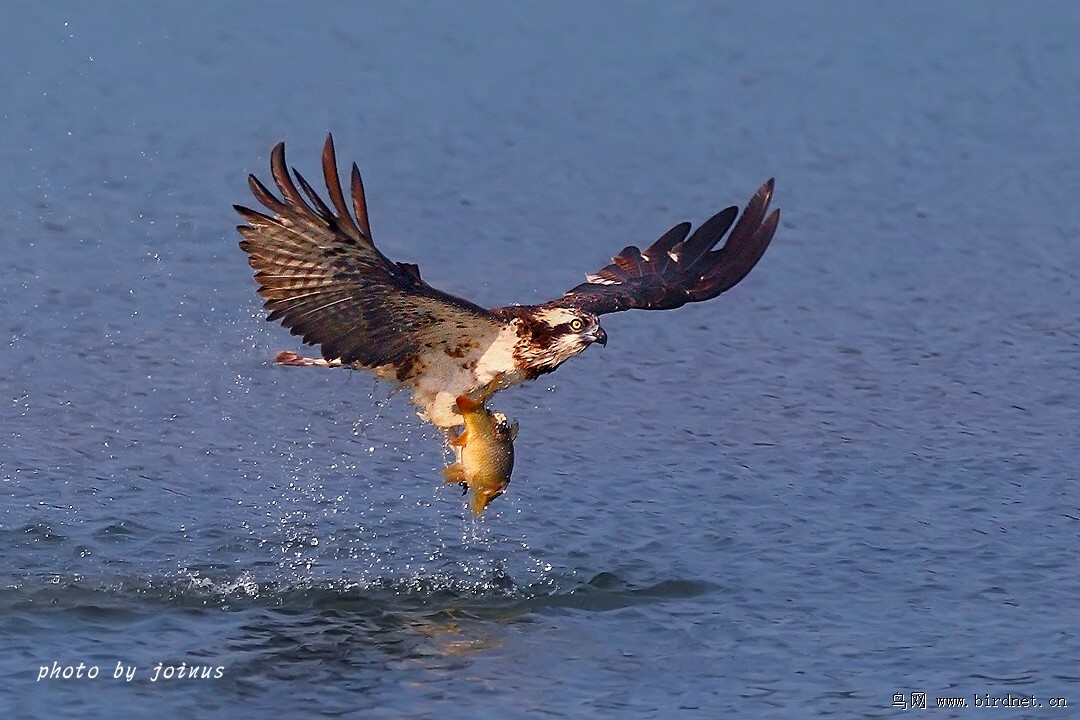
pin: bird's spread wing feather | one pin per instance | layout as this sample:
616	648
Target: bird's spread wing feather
325	280
677	269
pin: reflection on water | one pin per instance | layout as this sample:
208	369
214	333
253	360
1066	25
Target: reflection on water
272	631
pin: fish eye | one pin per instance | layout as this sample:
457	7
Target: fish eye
576	324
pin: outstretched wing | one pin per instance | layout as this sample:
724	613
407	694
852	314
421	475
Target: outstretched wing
675	269
325	280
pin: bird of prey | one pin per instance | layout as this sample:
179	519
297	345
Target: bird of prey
322	277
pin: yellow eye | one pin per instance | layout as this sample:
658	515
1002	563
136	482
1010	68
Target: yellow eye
576	324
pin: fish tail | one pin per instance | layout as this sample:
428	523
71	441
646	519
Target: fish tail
478	502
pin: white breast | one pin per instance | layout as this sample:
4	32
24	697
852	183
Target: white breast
444	377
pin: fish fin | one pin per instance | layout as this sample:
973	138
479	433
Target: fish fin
454	473
513	430
460	440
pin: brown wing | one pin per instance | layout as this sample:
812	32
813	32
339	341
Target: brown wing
675	269
325	280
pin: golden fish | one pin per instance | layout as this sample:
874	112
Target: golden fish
485	452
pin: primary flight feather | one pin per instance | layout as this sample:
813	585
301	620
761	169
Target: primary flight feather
323	278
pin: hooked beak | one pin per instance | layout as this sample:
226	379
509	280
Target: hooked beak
599	336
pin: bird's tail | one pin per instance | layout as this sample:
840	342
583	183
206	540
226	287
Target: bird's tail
287	357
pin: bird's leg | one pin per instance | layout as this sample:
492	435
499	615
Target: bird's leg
489	390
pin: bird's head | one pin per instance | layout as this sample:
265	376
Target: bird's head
553	335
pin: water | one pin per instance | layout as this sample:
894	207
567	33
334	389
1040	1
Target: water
853	476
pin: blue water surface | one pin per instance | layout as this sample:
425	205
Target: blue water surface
853	476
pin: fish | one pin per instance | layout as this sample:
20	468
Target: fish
485	453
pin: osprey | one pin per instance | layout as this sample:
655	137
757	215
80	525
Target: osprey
323	278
